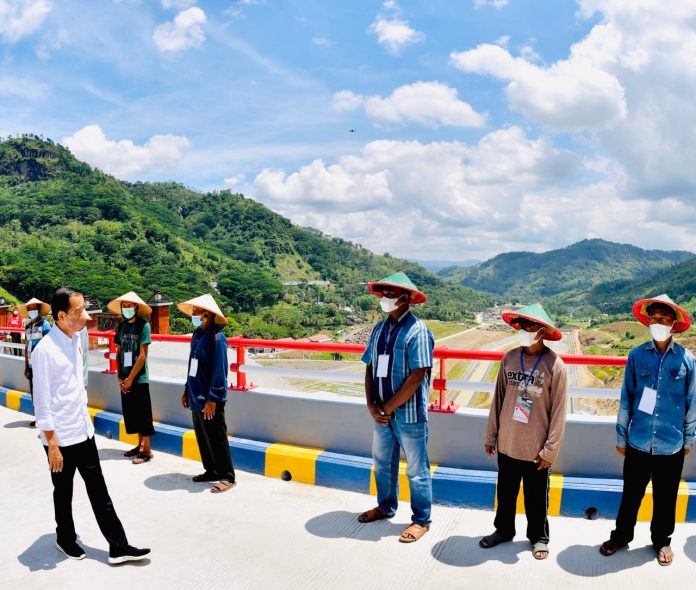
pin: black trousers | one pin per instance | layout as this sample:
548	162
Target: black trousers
213	444
16	339
137	410
84	458
535	484
665	471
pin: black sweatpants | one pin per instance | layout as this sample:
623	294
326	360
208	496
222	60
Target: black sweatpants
665	471
213	444
535	484
84	458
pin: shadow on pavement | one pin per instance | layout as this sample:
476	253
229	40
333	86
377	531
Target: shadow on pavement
460	551
587	561
18	424
170	482
341	524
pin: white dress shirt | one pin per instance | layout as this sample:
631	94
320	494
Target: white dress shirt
60	397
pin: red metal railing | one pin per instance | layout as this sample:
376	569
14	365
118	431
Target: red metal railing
441	354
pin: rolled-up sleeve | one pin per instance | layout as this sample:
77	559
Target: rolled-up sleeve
42	389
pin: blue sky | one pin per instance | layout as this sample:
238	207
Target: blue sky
481	125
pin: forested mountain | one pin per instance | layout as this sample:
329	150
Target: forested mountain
567	274
63	222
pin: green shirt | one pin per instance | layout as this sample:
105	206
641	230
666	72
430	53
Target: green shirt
130	336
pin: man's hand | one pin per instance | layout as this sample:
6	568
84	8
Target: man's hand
26	372
543	463
378	414
126	385
686	451
185	401
621	451
209	410
490	450
55	459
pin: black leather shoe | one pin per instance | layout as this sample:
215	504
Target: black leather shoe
71	550
130	553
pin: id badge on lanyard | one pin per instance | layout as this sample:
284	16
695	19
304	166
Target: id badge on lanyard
524	403
128	359
193	370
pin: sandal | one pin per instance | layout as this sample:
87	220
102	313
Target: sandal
205	477
134	452
666	552
608	548
222	486
492	540
413	533
540	550
141	458
373	514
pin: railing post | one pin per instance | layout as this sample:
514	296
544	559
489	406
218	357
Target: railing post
241	377
111	355
443	376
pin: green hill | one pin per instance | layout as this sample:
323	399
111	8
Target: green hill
62	222
564	276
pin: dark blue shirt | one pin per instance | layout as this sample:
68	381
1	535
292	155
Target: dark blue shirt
210	382
672	425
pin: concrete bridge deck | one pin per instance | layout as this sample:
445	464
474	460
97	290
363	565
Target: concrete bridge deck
267	533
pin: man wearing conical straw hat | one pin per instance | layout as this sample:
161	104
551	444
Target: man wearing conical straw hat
399	359
205	393
656	425
526	425
35	311
132	341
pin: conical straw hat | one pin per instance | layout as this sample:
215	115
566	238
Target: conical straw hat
535	313
203	302
682	321
397	280
44	308
144	309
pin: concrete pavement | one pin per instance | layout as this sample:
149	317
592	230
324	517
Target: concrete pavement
267	533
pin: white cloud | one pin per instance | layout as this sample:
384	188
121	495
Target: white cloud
431	104
393	32
184	32
21	18
234	180
177	4
123	158
494	3
321	41
407	196
571	94
52	43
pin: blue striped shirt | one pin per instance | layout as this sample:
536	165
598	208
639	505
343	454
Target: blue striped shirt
33	333
409	344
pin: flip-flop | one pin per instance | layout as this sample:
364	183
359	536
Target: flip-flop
492	540
222	486
538	549
413	532
142	459
373	514
134	452
664	550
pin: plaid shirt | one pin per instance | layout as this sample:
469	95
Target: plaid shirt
409	344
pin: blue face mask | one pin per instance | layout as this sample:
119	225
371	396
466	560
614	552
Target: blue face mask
128	312
197	321
33	314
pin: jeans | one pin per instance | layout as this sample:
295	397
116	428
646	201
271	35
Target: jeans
665	472
84	458
387	443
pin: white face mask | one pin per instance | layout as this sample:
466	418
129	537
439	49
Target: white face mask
33	314
660	332
526	338
128	312
197	321
389	304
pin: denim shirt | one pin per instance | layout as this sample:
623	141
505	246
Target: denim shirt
672	425
210	382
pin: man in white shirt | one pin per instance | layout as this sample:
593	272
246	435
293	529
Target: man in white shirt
60	402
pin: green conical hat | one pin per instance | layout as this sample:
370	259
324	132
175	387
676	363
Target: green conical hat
535	313
397	280
682	321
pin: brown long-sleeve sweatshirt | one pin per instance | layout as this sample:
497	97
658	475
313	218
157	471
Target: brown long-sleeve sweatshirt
548	388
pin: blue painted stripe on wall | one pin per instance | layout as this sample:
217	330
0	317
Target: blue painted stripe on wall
580	493
3	397
464	487
249	455
346	472
26	405
106	424
691	506
168	439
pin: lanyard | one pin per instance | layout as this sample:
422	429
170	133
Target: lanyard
526	380
387	337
